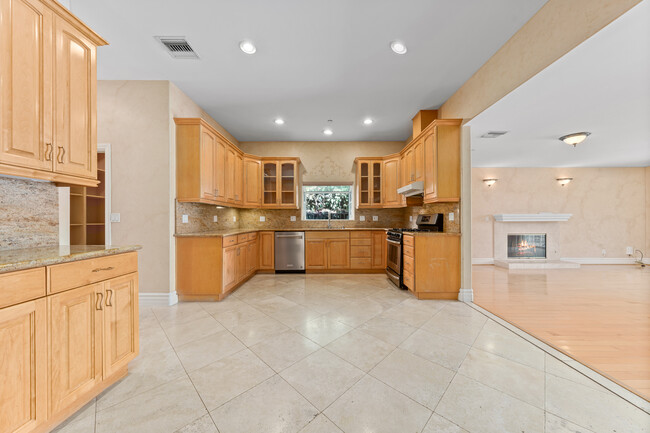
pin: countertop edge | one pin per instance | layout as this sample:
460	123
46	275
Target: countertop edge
221	233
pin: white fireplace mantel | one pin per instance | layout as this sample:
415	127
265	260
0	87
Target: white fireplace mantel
532	217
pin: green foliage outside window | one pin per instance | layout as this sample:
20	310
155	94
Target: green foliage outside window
318	200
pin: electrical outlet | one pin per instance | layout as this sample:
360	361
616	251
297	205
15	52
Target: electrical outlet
375	218
293	218
604	252
262	219
362	218
185	219
411	218
215	219
629	251
234	219
452	215
115	217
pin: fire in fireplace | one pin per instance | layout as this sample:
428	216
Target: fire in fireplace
527	246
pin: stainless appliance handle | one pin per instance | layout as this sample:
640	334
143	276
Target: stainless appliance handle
289	236
390	241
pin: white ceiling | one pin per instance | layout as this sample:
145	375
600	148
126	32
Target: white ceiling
602	86
315	60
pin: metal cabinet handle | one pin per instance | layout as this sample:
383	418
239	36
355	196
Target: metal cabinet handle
98	303
48	151
110	268
109	297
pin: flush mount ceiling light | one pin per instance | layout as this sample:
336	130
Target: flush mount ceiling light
398	47
494	134
564	180
490	182
328	131
279	121
575	138
248	47
368	121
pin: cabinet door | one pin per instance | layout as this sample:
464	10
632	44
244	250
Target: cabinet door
26	84
230	174
75	94
418	161
376	184
229	267
267	250
208	159
23	366
408	164
430	182
75	325
239	179
120	322
391	183
252	256
220	170
315	256
379	250
363	183
288	184
338	254
252	187
270	184
242	253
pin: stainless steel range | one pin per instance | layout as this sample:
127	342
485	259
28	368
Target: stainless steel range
425	223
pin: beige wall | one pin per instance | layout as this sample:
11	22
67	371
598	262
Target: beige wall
610	206
647	212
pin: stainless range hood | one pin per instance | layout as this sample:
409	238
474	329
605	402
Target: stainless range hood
414	188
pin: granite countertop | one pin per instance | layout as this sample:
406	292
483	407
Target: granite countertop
432	234
219	233
16	260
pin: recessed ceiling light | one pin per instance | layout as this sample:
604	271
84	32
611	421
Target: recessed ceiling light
398	47
575	138
248	47
367	121
328	131
279	121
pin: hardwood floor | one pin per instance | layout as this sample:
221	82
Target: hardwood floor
598	315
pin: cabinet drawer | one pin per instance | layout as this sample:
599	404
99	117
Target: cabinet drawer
21	286
75	274
408	264
360	241
360	263
242	238
252	236
409	240
360	251
409	251
408	280
229	241
339	234
360	234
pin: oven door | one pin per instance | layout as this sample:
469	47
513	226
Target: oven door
394	261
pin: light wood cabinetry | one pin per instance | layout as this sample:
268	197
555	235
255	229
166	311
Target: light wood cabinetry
280	183
327	250
391	182
379	250
252	182
267	250
65	347
437	266
48	85
315	254
369	183
442	162
229	268
408	257
88	210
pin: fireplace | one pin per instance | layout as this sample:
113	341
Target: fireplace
527	246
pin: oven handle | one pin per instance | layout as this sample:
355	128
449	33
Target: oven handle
390	241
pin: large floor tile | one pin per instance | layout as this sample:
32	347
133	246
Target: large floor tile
181	333
356	314
422	380
153	340
227	378
283	350
236	315
558	368
408	314
594	410
438	424
179	313
518	380
388	330
271	407
162	410
460	327
497	339
481	409
204	351
322	377
272	304
296	315
201	425
253	331
360	349
371	406
441	350
555	424
323	330
321	424
83	421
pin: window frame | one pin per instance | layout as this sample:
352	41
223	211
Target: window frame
351	198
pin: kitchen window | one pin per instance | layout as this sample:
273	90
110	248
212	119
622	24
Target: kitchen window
319	200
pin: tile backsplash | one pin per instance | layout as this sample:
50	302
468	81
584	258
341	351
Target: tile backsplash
201	218
29	213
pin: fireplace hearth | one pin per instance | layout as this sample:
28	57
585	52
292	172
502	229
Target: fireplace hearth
527	246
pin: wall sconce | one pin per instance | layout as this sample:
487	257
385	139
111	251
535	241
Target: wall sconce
563	181
490	182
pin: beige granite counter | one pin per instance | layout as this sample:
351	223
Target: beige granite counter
16	260
427	234
229	232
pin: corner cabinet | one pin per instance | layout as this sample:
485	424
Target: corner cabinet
48	83
280	183
441	145
369	183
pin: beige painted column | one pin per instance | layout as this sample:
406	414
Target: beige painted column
466	294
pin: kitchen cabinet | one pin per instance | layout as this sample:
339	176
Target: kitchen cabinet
220	170
369	183
280	183
267	250
361	249
252	257
391	182
48	80
418	161
242	252
208	165
315	254
238	181
406	166
442	162
436	266
252	182
230	262
121	341
378	249
408	258
338	254
325	250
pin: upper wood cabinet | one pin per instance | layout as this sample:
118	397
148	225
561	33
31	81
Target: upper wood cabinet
252	182
391	182
442	162
370	173
48	88
280	183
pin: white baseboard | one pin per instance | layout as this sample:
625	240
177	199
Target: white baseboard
580	260
485	261
148	300
466	295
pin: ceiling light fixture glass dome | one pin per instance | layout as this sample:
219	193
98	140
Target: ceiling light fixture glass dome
279	121
575	138
328	131
398	47
368	121
248	47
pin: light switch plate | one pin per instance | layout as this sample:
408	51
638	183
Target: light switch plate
375	218
629	251
362	218
451	216
262	219
185	219
115	217
215	219
293	217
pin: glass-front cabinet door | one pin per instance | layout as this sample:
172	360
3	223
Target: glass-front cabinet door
288	184
369	183
270	183
364	183
376	183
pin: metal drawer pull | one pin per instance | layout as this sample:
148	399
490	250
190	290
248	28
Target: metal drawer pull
109	298
100	298
110	268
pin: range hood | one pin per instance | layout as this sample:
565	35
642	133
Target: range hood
414	188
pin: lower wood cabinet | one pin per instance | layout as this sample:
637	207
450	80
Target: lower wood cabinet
266	250
121	338
436	266
229	267
327	250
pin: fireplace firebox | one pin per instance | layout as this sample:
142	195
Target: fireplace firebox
527	246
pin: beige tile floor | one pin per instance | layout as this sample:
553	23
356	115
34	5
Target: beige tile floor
344	353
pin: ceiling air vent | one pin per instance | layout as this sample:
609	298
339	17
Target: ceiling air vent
494	134
177	47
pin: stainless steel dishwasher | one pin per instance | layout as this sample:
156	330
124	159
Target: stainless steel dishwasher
290	251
